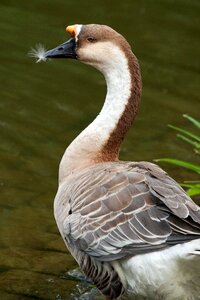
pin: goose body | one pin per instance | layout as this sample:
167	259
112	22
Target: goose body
130	227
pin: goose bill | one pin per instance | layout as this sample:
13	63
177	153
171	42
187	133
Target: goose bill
65	50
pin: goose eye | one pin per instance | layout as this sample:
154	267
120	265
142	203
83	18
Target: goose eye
91	39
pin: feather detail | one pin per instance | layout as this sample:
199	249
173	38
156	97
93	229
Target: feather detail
123	212
38	52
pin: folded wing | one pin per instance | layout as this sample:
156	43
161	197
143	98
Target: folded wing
122	209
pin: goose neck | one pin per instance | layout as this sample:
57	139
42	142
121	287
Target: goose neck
101	140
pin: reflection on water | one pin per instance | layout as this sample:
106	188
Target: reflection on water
84	292
84	289
44	106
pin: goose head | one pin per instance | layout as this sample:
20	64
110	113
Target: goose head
93	44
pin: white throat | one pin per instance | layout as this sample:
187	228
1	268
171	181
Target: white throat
84	150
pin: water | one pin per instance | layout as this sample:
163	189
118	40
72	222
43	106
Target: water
44	106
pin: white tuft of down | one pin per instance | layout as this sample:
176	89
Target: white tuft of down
38	52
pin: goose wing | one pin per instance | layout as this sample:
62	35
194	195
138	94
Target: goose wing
123	209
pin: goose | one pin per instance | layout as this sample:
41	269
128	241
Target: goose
131	228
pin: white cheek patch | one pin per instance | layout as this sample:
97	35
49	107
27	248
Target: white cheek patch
38	52
100	55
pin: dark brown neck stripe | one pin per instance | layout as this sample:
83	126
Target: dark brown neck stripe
110	150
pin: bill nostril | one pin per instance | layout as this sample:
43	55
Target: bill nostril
60	49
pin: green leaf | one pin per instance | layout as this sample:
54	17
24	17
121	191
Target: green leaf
181	163
193	187
192	182
186	132
192	120
195	144
193	191
190	185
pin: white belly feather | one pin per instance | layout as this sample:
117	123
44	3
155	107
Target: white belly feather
170	274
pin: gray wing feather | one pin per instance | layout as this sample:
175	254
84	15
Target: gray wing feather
123	209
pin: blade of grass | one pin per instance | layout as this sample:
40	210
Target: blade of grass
194	191
181	163
190	185
188	133
189	141
192	182
192	120
193	187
